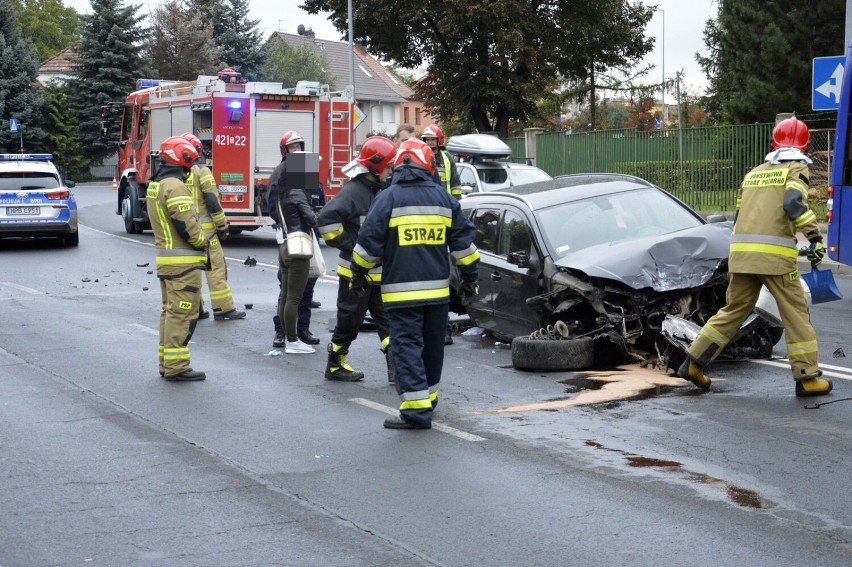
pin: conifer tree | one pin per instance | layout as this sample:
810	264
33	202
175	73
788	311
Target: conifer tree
236	36
19	97
68	152
181	45
109	65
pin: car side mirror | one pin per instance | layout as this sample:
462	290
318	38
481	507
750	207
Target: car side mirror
716	218
519	259
466	189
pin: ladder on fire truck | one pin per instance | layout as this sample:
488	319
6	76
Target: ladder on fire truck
340	137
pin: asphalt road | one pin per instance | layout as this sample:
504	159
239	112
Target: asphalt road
266	463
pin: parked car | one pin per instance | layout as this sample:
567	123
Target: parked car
602	262
34	201
484	164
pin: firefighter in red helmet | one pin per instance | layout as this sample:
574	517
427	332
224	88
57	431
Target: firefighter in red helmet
771	209
339	223
446	167
413	229
181	255
206	196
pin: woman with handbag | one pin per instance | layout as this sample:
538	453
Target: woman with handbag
297	221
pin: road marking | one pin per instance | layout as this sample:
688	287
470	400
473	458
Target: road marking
846	373
22	288
144	329
435	424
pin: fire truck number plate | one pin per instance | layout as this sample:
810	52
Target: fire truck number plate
226	140
233	189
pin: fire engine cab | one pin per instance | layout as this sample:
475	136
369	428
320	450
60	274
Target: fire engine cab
240	124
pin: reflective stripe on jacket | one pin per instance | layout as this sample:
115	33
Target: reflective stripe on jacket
178	236
206	196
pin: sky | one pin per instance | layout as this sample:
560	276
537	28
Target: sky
680	25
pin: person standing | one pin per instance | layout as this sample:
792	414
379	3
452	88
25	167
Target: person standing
412	229
206	196
339	223
181	255
772	207
404	132
295	214
292	142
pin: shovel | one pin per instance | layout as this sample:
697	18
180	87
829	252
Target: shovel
822	286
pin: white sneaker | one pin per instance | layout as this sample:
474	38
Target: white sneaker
298	347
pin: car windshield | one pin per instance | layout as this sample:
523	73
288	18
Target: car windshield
575	225
25	181
499	178
523	176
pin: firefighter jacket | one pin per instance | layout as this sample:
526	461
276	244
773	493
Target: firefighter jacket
448	173
412	229
206	196
178	236
771	208
341	219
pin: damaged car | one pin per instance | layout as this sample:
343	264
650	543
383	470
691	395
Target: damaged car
596	268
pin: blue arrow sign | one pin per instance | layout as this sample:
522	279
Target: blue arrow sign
827	79
13	124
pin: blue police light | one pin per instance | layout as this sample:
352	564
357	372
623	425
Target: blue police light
235	105
146	83
26	157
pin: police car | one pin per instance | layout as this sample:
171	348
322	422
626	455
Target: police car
34	201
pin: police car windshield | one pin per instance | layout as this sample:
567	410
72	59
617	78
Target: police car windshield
27	181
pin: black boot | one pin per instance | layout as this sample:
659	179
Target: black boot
337	368
280	340
187	376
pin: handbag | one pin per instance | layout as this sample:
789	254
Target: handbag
299	245
316	267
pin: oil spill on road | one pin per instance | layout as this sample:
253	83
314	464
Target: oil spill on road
742	497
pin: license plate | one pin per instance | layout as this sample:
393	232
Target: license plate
23	210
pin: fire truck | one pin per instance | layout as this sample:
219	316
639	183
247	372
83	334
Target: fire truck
240	124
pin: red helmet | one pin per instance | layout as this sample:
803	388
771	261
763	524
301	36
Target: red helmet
178	151
414	152
290	137
196	143
791	133
433	131
376	154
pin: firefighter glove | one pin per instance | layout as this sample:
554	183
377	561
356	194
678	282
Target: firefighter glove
467	292
358	285
223	233
816	253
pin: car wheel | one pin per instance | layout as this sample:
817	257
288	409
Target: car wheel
566	354
71	239
130	225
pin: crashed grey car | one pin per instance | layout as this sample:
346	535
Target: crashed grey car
600	267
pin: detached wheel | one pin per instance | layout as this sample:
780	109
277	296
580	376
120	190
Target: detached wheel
566	354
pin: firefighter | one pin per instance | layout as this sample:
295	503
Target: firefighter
446	167
339	223
206	196
293	142
412	229
181	255
772	207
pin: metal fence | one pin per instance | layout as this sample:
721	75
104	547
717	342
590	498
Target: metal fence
702	166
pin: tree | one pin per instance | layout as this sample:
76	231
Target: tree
181	44
50	25
490	61
19	97
288	64
235	35
642	115
109	64
753	76
63	143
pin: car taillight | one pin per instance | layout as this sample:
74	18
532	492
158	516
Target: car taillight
830	192
60	194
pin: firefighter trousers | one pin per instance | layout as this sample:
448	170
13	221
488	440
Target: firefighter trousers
417	347
217	276
351	311
743	290
180	295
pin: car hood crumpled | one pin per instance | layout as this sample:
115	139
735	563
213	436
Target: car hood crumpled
680	260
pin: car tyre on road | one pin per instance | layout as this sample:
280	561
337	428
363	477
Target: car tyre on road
72	239
130	225
566	354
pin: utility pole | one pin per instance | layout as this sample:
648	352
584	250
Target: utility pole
679	127
351	57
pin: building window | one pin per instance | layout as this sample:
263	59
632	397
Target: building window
416	116
405	115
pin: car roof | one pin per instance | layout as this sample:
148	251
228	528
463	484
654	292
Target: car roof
499	164
565	188
36	163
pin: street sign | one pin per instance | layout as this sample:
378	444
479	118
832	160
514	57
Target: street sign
827	79
13	124
358	116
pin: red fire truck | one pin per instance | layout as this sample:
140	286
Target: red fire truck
240	124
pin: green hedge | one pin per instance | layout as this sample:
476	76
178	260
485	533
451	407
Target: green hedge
696	175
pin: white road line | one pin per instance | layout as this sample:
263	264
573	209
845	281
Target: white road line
22	288
845	376
144	329
435	424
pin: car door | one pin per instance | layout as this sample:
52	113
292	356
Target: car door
486	220
514	273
